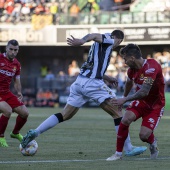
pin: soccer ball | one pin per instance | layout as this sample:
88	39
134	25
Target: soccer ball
30	149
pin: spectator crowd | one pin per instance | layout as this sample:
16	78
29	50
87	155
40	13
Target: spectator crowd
52	84
15	11
21	10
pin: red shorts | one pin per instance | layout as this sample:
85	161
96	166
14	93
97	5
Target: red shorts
150	117
11	99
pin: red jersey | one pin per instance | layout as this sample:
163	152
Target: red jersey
151	68
8	70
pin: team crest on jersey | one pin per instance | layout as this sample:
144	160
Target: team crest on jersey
150	70
2	64
141	77
14	69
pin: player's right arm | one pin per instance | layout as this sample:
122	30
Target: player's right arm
17	85
128	86
89	37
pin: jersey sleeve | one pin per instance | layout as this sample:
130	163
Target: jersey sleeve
152	70
107	39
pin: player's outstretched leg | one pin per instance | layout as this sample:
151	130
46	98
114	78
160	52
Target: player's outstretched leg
31	135
136	150
16	136
47	124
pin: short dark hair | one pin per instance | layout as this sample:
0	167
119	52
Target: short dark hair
13	42
118	33
131	50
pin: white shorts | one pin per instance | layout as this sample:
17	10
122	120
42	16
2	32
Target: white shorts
85	89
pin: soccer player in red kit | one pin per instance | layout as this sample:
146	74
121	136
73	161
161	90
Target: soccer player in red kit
147	102
9	103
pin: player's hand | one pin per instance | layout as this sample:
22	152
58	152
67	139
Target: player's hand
113	82
20	96
120	107
75	41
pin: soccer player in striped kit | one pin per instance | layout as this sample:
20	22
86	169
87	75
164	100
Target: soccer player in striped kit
90	85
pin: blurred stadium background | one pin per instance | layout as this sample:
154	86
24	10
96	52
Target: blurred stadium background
49	66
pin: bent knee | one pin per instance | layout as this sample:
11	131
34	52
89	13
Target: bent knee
25	114
7	113
143	137
126	121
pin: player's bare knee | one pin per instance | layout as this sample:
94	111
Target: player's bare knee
7	113
26	114
143	137
126	121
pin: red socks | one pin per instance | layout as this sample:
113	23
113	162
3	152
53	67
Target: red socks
151	139
3	125
20	122
121	136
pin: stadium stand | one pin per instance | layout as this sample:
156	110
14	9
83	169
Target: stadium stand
57	12
106	11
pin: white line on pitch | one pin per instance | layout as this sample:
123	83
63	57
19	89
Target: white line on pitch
76	160
47	161
161	158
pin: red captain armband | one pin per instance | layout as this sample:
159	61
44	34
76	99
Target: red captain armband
148	80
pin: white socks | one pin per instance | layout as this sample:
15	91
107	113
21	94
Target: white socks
47	124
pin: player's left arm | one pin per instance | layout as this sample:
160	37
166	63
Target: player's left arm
89	37
143	92
18	87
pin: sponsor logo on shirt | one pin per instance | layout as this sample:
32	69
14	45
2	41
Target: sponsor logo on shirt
150	70
14	69
7	73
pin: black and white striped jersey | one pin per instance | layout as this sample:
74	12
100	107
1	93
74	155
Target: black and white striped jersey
98	58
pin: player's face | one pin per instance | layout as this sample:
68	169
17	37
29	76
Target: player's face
129	61
117	41
11	51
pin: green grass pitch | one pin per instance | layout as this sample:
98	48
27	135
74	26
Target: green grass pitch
82	143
